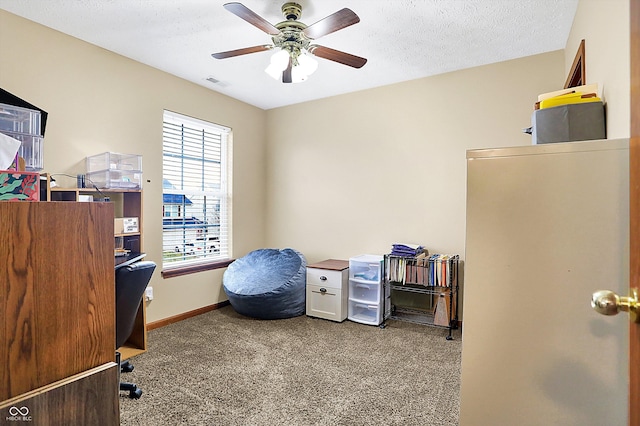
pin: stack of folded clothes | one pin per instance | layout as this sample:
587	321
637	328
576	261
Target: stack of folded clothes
407	250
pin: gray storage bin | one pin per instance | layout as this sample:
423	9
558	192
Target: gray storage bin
566	123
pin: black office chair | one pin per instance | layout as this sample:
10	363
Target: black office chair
131	282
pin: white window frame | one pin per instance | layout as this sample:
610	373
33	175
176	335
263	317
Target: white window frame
178	133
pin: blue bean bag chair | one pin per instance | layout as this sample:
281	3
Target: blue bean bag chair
267	284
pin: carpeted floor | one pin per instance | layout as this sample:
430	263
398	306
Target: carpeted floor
221	368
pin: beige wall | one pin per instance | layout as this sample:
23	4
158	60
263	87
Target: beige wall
362	171
604	25
98	101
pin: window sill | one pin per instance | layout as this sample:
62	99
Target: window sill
192	269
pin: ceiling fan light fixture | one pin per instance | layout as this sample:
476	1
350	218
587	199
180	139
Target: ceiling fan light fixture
307	64
303	65
280	59
279	62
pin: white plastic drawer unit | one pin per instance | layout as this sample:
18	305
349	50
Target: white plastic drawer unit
366	292
365	295
327	289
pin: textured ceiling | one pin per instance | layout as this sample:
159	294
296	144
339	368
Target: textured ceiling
402	39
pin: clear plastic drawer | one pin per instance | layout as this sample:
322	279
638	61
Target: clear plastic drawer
120	179
16	119
365	313
366	267
113	161
364	291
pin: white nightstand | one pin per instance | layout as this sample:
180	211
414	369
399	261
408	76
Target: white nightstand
328	289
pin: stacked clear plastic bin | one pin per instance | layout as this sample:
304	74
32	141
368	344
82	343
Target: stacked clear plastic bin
111	170
24	125
366	293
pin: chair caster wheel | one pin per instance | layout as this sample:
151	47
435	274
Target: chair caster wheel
135	394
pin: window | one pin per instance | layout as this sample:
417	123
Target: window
195	192
171	210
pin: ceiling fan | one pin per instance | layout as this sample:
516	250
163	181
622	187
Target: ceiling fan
293	61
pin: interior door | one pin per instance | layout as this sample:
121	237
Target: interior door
634	211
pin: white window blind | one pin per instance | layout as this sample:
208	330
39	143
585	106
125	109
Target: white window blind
195	195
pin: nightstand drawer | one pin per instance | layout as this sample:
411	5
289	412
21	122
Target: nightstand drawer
326	278
326	302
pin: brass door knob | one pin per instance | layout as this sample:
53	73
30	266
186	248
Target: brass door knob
606	302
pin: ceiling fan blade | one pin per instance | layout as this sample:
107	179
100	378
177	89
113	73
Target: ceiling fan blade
238	52
286	74
337	21
337	56
251	17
